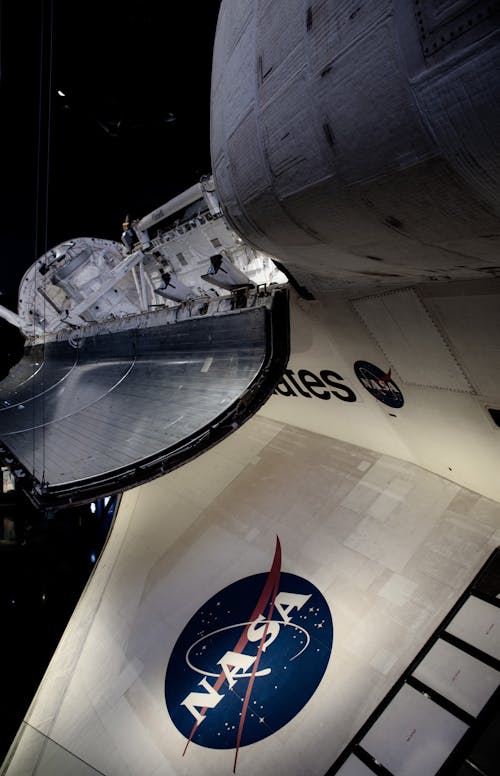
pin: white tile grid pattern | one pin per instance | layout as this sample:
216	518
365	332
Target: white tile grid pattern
373	541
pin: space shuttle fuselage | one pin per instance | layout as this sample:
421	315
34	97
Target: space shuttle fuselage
358	144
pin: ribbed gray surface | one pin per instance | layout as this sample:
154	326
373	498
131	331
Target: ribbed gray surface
122	397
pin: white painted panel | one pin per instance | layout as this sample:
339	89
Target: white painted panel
354	767
459	677
51	759
413	736
447	432
183	538
411	341
474	332
478	623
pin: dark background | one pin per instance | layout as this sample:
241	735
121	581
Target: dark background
131	132
110	146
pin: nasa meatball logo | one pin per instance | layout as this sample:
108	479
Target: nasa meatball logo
379	383
249	660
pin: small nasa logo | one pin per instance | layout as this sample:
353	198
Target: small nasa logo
249	660
379	383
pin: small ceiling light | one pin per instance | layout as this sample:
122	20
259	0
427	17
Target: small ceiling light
60	93
93	508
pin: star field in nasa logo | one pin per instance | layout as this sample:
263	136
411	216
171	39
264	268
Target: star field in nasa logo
249	660
379	383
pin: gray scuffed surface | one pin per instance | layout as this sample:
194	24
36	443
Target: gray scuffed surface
344	134
123	396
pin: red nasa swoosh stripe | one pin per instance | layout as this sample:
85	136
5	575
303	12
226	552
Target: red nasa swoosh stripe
259	652
268	594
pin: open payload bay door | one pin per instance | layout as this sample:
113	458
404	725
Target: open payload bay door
202	644
116	404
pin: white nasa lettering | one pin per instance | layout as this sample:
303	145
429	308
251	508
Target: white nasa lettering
378	385
285	602
232	662
257	628
208	700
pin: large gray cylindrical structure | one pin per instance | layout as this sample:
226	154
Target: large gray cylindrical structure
358	141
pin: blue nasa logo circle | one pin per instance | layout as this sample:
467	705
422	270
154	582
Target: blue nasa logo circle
234	678
379	383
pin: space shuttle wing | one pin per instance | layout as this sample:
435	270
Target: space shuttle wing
159	661
120	404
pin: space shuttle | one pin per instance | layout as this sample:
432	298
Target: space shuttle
291	372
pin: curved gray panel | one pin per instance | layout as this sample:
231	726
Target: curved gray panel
359	141
108	414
